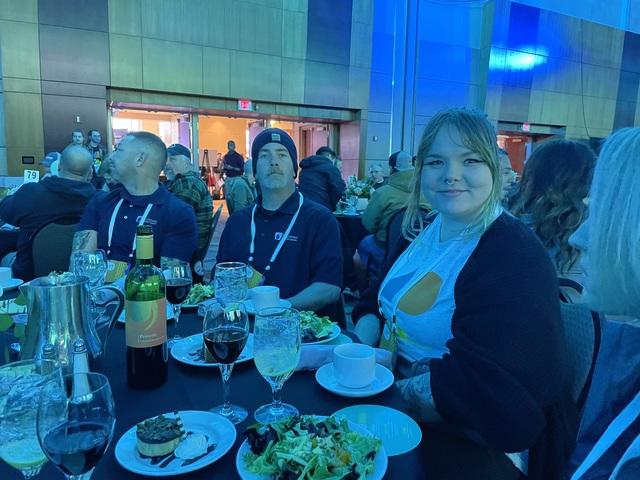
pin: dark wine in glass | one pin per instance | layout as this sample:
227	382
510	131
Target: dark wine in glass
178	282
178	290
225	331
225	343
76	447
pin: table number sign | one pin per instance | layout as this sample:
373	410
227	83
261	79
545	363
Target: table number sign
31	176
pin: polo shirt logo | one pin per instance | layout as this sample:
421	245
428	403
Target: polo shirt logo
147	221
275	137
290	238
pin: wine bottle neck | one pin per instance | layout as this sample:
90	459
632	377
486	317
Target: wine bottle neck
144	249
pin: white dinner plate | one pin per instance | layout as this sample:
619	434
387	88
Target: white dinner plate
169	314
327	380
188	351
251	309
379	464
11	284
398	431
335	333
216	428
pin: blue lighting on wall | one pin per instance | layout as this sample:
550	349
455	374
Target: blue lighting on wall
517	60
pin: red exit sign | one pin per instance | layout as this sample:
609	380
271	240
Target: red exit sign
245	104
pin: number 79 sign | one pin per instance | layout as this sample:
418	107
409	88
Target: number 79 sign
31	176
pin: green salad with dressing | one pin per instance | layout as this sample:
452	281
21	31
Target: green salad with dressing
310	448
314	327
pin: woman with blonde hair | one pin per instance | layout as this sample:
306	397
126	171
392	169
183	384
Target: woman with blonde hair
609	242
554	186
471	308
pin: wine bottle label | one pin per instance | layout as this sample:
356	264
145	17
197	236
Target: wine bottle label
144	247
145	323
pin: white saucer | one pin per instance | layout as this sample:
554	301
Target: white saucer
11	284
327	380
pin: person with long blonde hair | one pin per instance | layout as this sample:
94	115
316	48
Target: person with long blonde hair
609	243
471	310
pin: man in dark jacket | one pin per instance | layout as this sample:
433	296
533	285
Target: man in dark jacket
320	180
37	203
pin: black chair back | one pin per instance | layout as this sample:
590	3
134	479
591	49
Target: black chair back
582	335
51	245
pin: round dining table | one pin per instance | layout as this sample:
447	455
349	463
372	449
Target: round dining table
199	388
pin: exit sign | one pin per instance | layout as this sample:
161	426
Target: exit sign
245	104
526	127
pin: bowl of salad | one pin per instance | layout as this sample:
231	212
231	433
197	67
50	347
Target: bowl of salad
311	447
198	294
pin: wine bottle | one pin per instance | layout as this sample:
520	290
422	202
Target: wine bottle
145	317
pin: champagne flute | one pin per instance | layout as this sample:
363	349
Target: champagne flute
225	332
230	282
76	419
21	384
276	353
179	281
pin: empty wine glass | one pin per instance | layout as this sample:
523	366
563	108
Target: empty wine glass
230	282
76	419
225	331
21	384
276	353
178	279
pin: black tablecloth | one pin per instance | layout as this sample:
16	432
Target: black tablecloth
352	229
197	388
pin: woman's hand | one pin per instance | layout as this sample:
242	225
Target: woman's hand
368	329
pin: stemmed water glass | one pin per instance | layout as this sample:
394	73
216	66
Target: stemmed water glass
225	331
21	384
230	282
179	281
76	419
276	353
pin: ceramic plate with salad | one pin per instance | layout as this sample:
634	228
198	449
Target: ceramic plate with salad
317	329
311	447
198	294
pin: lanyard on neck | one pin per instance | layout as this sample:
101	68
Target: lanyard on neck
283	239
112	224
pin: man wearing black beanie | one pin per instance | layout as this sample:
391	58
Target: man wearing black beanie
289	241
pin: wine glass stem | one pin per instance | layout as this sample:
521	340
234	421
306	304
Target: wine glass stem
225	371
276	395
84	476
176	316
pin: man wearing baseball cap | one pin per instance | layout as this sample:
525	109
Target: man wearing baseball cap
186	184
287	240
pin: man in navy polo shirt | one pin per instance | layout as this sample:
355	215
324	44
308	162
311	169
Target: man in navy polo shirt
109	221
294	243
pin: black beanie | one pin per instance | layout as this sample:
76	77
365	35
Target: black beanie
274	135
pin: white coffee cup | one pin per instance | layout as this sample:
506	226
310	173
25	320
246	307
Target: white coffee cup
354	365
265	296
5	275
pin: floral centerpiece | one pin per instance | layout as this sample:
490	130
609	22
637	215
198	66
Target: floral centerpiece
358	188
